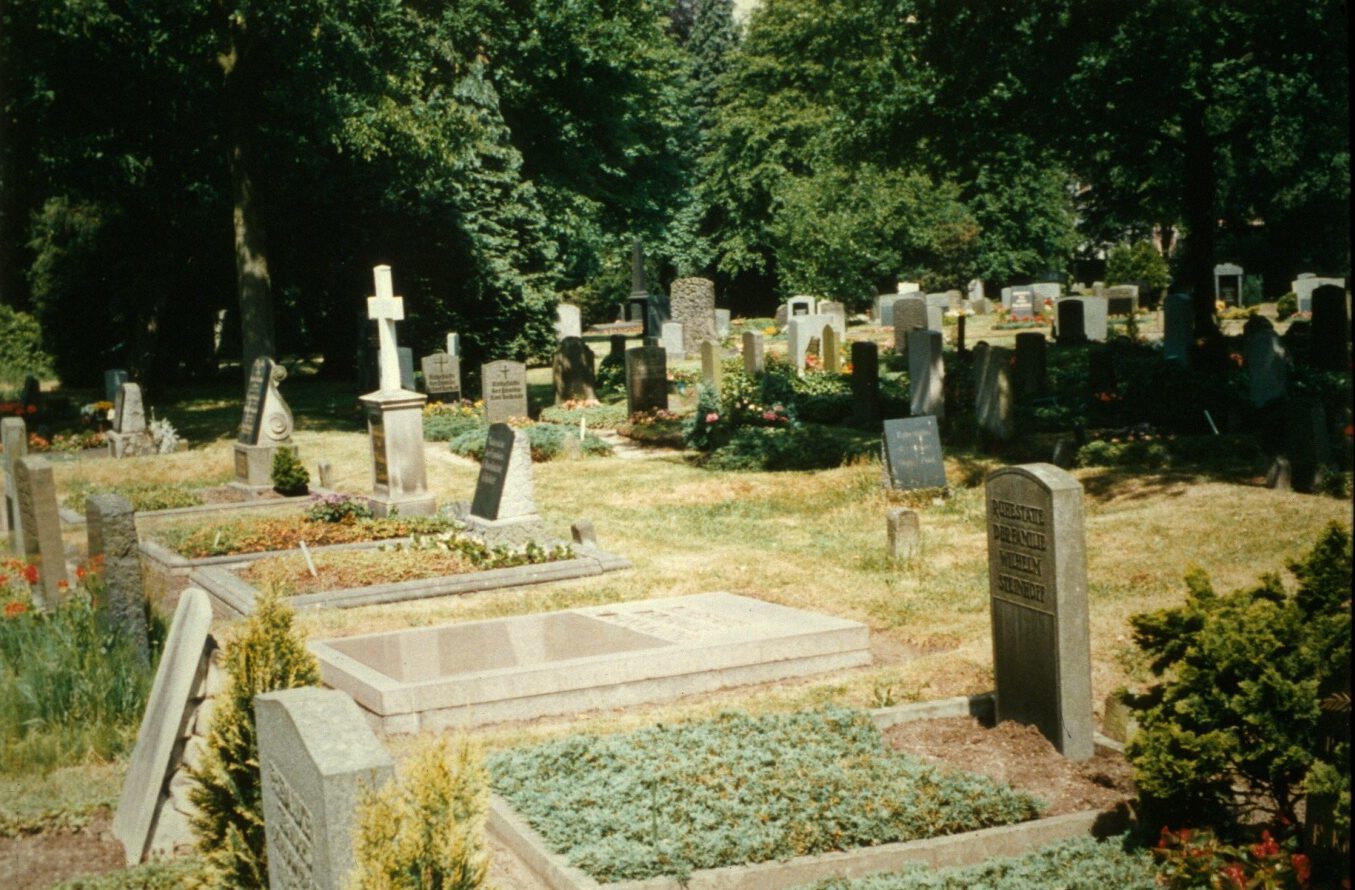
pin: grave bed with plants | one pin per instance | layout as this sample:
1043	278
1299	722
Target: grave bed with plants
754	801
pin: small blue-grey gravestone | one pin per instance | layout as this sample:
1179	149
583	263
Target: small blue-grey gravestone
912	453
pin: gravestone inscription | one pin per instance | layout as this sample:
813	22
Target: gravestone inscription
503	489
912	453
504	385
646	379
442	376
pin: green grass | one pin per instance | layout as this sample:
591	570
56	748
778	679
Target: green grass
181	874
63	798
143	495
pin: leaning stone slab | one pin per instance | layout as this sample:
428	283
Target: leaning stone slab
317	756
40	518
183	667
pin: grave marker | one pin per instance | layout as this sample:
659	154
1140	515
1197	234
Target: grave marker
616	347
800	305
568	321
910	314
504	384
884	309
110	529
129	435
317	757
1331	329
672	339
832	349
912	453
1071	321
801	330
113	380
1266	362
1037	569
926	375
454	344
265	426
1305	442
40	516
753	361
14	435
1305	284
904	533
712	370
865	384
442	376
692	305
573	371
1178	328
722	323
503	489
836	313
407	381
993	393
646	379
1228	284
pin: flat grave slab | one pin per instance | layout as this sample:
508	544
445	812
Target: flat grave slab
580	659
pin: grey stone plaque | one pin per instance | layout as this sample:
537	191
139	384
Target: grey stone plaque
912	449
504	384
442	375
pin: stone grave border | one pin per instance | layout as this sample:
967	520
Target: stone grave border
234	597
966	848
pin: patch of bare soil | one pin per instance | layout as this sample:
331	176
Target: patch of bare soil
1021	757
44	860
224	494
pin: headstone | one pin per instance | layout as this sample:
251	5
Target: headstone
1071	322
1037	575
910	314
1032	367
386	309
1095	318
884	309
454	344
503	490
406	357
1331	329
1305	442
800	305
652	311
504	385
113	380
904	533
442	376
912	453
110	529
583	533
711	369
753	361
782	315
936	319
836	314
672	340
616	347
908	287
40	517
265	425
573	371
975	292
31	394
799	332
692	305
722	323
1304	286
317	758
1022	305
1046	290
832	349
324	471
926	375
646	379
1101	372
1228	284
1267	364
1006	294
14	434
993	405
1178	328
182	669
568	321
129	415
1122	299
865	384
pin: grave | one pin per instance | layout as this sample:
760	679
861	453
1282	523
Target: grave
442	376
568	321
753	359
1071	322
865	384
1032	366
722	323
1330	330
575	660
317	758
912	454
110	530
799	332
616	348
974	292
652	310
799	305
114	378
712	369
1095	317
1305	442
1122	299
832	349
836	314
926	375
1266	362
884	309
646	379
40	519
672	340
1304	285
937	307
503	511
454	344
910	314
394	418
1178	329
14	436
573	371
265	427
692	304
993	393
1037	570
406	357
904	533
1046	290
504	386
1228	284
165	724
129	436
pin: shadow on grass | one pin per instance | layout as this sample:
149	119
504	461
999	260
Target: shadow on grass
210	412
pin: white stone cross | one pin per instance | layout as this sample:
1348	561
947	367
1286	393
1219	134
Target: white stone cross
386	309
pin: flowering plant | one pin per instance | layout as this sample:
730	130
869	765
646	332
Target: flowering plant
1189	858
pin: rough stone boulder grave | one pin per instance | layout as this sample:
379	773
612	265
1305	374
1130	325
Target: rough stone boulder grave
580	659
265	427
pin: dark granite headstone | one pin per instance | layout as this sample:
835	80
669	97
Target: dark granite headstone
1306	445
1032	368
256	391
912	452
1331	329
646	379
1072	322
573	371
865	384
489	485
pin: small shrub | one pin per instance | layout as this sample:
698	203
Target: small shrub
1141	261
547	441
444	422
339	508
21	352
1286	306
809	447
1188	859
425	828
267	655
706	429
610	377
595	416
289	474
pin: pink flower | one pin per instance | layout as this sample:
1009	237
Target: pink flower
712	417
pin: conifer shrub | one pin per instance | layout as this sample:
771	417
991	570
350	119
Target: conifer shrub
1231	729
425	828
289	475
267	655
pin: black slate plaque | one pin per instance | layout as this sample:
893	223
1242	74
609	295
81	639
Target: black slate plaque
912	448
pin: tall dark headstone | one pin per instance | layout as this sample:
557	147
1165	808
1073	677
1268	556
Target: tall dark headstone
616	347
1072	322
1037	576
1331	329
572	371
1266	361
993	399
1306	445
1032	366
503	490
646	379
865	384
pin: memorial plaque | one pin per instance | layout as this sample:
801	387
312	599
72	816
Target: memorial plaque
1037	569
504	384
442	375
646	379
376	429
912	450
256	390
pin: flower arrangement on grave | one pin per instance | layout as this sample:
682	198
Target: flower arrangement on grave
1197	858
17	409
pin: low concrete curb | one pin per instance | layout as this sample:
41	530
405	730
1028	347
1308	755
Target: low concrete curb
968	848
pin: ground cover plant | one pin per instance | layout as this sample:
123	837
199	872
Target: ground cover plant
259	535
739	789
143	494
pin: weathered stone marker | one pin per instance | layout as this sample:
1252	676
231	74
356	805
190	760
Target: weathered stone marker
14	435
129	436
926	374
904	533
441	376
753	361
712	364
504	384
40	516
503	510
317	756
110	529
912	453
572	371
265	426
692	304
646	379
1037	570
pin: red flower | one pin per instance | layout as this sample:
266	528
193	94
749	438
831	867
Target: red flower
31	574
1235	874
1303	868
15	608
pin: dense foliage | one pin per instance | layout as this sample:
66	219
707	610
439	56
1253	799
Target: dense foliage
740	789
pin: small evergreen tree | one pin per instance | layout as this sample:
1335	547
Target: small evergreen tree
267	655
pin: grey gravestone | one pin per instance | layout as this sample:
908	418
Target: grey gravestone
265	418
503	490
673	340
1178	328
836	313
865	384
926	375
884	309
40	517
1072	323
317	757
912	453
504	384
1095	318
129	415
573	371
753	361
1032	368
1228	284
405	356
113	379
1046	290
800	332
722	323
646	379
1305	284
110	529
712	370
1331	329
568	321
14	434
616	347
583	533
782	315
904	533
910	314
832	349
691	303
1122	299
1037	571
800	305
1023	305
454	344
182	668
1266	362
936	318
993	402
442	376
